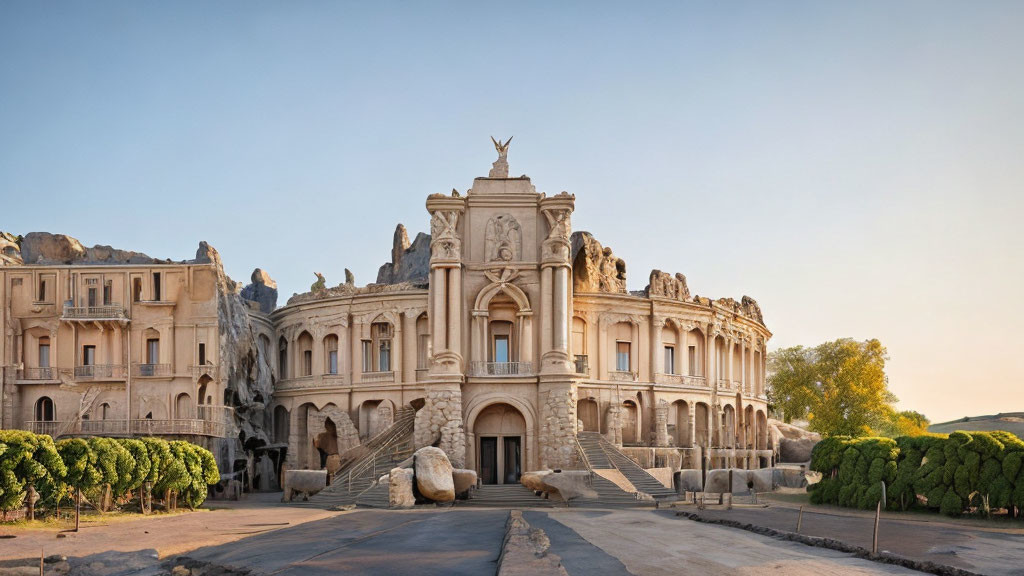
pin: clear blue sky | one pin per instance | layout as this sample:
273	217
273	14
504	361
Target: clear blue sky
857	167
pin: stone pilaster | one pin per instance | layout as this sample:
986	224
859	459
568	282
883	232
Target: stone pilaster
557	440
661	424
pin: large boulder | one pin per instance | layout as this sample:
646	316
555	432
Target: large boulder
689	481
305	482
761	480
434	474
463	480
570	484
46	248
400	493
262	291
534	480
718	481
796	449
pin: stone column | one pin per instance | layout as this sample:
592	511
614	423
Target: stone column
561	310
545	310
657	325
661	423
730	344
455	309
409	344
526	338
439	332
693	426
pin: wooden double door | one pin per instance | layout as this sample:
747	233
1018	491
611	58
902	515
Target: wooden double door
501	459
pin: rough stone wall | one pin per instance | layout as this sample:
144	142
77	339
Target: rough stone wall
347	434
557	439
661	423
440	419
595	268
385	416
613	424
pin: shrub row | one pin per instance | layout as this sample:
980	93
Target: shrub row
982	470
106	470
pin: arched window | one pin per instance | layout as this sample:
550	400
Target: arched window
377	350
282	358
305	344
331	354
422	342
45	410
183	407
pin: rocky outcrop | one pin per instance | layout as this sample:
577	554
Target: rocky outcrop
47	248
751	309
433	473
440	422
594	267
409	262
262	291
557	438
665	285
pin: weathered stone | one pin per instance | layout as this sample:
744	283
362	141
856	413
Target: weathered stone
305	482
570	484
409	262
718	481
262	291
796	449
664	285
400	493
463	480
46	248
333	463
434	475
661	423
689	481
760	480
595	268
789	477
534	480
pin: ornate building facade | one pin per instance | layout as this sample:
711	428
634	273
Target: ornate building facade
509	334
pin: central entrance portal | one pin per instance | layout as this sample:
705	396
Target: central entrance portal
500	430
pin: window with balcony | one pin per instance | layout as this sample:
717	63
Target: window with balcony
202	353
501	348
622	356
156	286
152	351
332	362
108	292
670	359
91	297
44	352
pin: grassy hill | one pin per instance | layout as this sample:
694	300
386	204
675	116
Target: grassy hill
1009	421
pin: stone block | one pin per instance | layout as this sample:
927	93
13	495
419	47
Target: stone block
305	482
570	484
463	480
400	493
434	474
689	481
534	480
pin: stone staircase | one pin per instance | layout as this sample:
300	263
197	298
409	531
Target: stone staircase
356	482
505	496
603	455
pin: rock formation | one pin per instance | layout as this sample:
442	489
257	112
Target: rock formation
434	475
409	262
665	285
595	268
751	309
262	291
47	248
400	493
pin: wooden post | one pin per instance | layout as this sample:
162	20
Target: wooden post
40	561
78	507
874	536
799	519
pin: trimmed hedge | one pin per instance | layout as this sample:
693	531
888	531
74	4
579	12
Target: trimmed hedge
949	473
106	470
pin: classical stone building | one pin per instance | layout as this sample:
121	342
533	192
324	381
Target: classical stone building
499	337
509	334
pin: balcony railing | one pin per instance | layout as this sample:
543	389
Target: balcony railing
151	370
210	421
681	380
304	382
582	365
100	372
501	368
105	312
200	370
621	376
378	377
36	374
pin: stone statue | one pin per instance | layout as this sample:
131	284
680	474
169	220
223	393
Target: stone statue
504	239
500	167
350	278
595	268
665	285
444	240
320	285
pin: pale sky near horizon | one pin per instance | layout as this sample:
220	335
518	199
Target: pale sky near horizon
858	167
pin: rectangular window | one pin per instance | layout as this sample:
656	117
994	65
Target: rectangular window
332	362
108	290
670	360
307	362
44	352
501	349
622	356
136	289
156	286
367	356
92	297
423	352
42	290
384	359
153	351
693	360
88	355
202	354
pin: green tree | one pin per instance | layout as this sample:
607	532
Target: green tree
839	386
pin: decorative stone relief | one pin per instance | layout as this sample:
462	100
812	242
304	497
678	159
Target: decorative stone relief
500	167
595	268
661	423
613	424
751	309
557	438
504	239
665	285
445	243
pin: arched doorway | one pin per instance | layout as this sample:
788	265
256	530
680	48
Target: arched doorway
589	414
501	436
44	410
183	407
